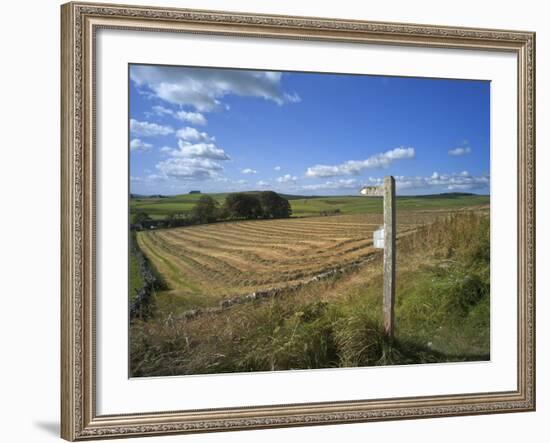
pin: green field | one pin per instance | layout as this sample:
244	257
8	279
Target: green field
159	208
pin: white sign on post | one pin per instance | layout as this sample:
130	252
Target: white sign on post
372	191
378	238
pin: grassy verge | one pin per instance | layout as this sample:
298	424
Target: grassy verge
442	315
447	301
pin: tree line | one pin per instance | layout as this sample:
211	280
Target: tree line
237	206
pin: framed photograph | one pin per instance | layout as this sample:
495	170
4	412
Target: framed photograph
282	221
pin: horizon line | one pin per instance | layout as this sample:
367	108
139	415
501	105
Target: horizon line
302	195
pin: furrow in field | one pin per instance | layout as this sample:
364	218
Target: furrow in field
225	286
266	253
204	271
329	225
341	220
306	266
327	248
228	258
214	265
283	273
262	254
267	232
224	232
184	263
304	240
299	224
230	266
233	239
177	273
278	229
318	256
233	276
281	238
255	250
304	274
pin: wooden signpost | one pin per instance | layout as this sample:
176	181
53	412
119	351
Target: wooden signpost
387	191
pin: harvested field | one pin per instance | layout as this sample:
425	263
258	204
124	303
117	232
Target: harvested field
208	263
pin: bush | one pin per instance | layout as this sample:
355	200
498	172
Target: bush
274	206
243	205
205	210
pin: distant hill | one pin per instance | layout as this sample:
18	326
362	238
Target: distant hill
301	197
444	195
159	206
148	196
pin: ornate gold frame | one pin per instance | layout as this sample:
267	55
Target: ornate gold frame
79	420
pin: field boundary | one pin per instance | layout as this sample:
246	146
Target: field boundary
286	290
265	294
141	304
275	292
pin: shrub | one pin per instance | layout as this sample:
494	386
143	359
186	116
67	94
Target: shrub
243	205
274	206
205	210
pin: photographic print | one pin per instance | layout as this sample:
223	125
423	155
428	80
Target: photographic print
340	206
303	220
273	221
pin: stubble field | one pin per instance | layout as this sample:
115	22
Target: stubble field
204	264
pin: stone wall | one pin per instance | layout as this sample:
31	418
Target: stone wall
275	292
141	305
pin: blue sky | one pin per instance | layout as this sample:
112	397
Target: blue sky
220	130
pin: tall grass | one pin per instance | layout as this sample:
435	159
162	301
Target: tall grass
442	315
448	304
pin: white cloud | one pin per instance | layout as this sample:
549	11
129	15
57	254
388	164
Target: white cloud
191	134
293	98
351	183
192	161
262	183
147	129
195	118
161	110
248	171
138	145
287	178
457	181
192	169
148	179
241	182
355	167
202	150
156	177
464	150
203	88
277	168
